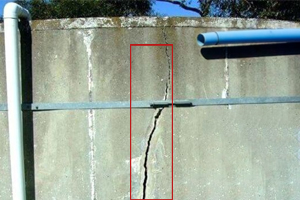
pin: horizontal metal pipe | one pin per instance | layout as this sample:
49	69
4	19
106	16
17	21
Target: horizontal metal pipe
154	104
249	36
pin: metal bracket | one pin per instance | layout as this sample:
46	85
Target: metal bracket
183	103
160	104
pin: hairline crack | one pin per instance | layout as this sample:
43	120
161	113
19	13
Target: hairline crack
157	115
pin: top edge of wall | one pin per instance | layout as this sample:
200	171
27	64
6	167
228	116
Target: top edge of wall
140	22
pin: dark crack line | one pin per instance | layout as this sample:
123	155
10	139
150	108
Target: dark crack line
156	117
169	66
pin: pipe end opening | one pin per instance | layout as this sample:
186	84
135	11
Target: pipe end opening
200	40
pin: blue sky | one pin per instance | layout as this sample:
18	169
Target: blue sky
163	8
2	3
172	10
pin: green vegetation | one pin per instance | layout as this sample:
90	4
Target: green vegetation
268	9
49	9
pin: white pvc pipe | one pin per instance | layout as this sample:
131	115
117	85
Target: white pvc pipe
12	13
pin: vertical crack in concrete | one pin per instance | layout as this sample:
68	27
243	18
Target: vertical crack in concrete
168	83
87	38
157	114
156	117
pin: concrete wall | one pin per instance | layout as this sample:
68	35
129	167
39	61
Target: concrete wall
220	152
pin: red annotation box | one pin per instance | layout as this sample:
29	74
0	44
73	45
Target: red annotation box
166	45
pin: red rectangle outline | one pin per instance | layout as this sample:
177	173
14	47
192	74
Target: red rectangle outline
171	45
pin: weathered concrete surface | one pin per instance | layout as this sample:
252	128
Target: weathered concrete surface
62	164
228	152
61	152
154	22
2	69
60	75
112	159
238	153
5	181
275	76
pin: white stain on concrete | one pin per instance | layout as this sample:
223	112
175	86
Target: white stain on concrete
91	122
190	23
225	92
138	21
85	23
87	39
136	164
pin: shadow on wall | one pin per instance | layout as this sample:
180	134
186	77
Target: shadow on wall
249	51
27	97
